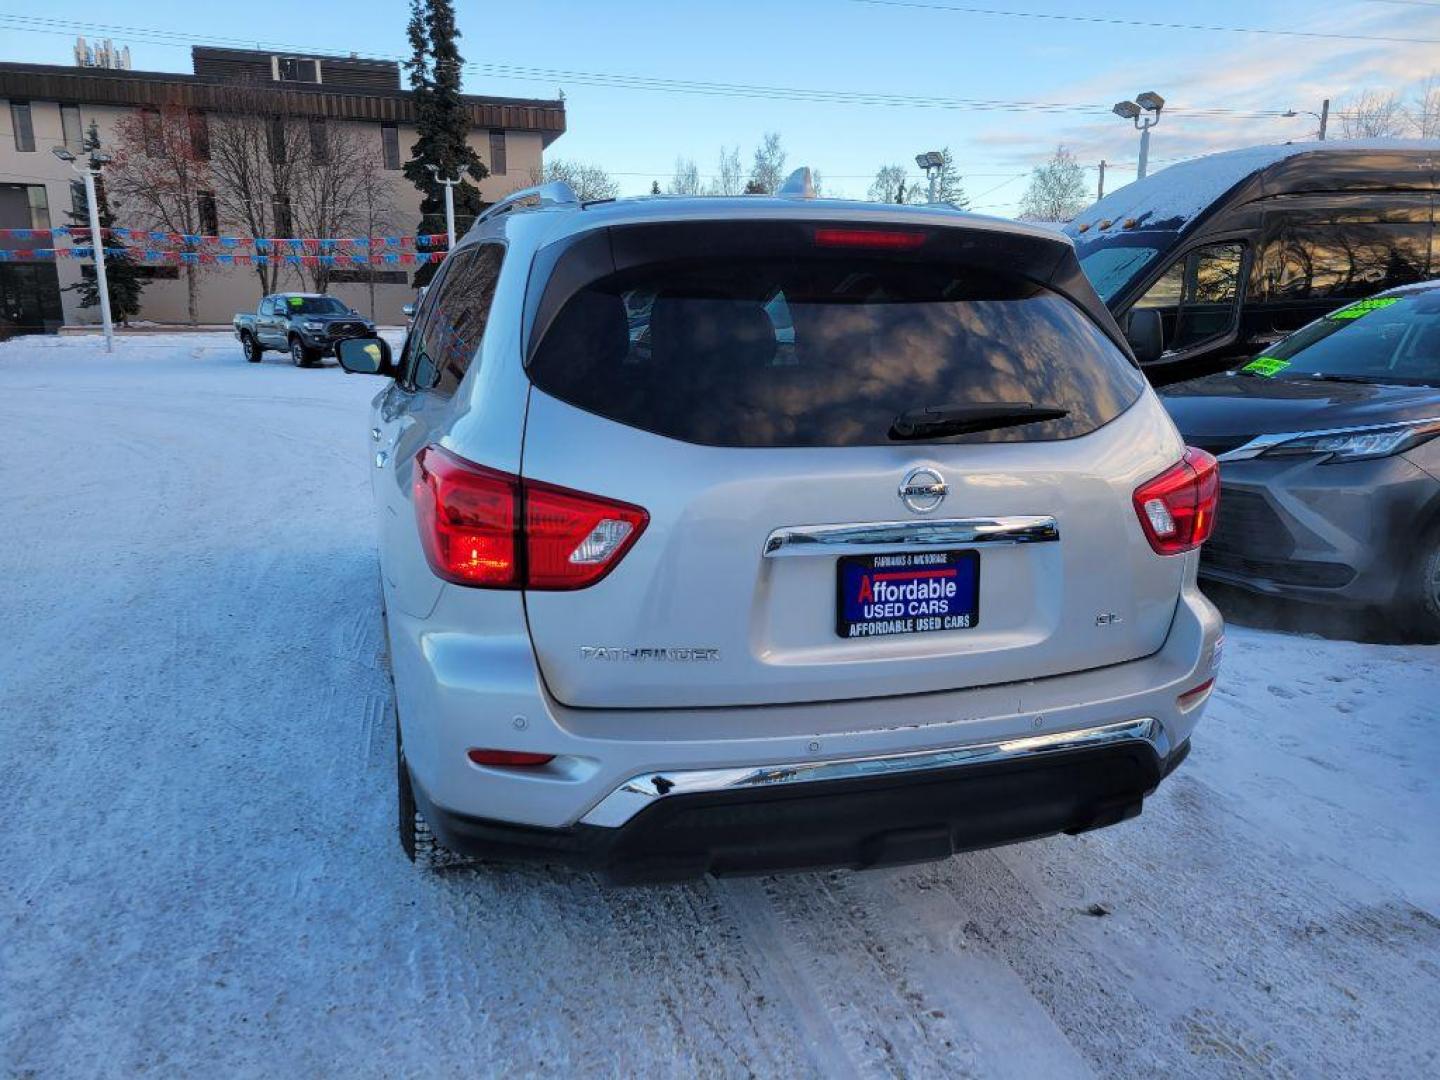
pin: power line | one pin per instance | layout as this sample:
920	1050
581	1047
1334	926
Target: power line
625	81
1110	20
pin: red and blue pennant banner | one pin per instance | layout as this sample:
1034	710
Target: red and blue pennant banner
220	258
269	245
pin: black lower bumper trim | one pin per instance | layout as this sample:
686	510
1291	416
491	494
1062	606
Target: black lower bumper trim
850	823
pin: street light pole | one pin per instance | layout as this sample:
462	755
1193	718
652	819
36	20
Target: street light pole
932	161
1144	111
1323	116
1101	193
89	172
449	201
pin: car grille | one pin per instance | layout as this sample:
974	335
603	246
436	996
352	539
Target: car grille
345	329
1325	575
1247	524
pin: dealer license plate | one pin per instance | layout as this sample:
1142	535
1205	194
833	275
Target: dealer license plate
912	592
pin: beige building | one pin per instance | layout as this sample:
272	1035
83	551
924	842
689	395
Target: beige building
42	107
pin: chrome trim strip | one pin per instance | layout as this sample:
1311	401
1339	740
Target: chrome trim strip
877	535
645	790
1258	445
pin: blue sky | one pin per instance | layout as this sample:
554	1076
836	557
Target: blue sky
911	50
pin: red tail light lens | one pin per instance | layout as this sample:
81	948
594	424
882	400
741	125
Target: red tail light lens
572	539
1177	508
468	517
492	530
883	239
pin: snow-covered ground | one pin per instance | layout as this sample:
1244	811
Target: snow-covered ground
199	876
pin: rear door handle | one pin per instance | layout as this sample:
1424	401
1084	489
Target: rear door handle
380	459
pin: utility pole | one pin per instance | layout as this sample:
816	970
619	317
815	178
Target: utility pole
1101	193
89	172
449	201
1324	117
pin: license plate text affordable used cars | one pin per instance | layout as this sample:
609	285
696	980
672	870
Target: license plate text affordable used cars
907	593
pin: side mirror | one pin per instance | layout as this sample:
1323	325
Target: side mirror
408	311
366	356
1146	334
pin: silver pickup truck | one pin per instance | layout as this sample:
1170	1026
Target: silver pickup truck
305	325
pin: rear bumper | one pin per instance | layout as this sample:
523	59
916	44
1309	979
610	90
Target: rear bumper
854	821
459	690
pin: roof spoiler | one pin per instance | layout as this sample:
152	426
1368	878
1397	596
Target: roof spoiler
555	193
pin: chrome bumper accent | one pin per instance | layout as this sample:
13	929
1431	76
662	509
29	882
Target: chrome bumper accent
880	536
645	790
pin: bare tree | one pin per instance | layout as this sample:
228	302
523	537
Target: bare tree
589	182
374	210
257	156
160	171
1057	190
767	172
1372	114
329	191
1424	111
686	180
891	185
730	174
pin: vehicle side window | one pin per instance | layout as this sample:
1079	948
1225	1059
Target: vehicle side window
1198	295
267	306
1317	255
454	326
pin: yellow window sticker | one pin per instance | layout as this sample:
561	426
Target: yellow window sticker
1267	366
1363	307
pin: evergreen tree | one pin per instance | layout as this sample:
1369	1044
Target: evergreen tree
948	188
442	122
122	274
654	187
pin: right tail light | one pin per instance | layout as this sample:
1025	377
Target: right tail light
493	530
1177	508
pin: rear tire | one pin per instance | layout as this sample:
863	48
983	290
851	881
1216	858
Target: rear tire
420	845
250	347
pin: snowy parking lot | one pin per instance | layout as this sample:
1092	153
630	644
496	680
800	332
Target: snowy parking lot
200	872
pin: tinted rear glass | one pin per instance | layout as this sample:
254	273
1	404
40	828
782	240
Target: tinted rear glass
826	351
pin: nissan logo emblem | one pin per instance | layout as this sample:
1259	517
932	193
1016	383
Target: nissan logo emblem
922	490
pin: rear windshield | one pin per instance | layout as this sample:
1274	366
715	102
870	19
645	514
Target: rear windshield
827	352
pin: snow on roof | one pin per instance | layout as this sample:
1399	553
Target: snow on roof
1177	194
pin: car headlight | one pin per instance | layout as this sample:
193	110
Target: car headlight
1358	444
313	325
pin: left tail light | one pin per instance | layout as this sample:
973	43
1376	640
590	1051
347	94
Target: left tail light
1177	508
493	530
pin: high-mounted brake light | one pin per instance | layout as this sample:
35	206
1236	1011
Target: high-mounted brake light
1177	508
492	530
882	239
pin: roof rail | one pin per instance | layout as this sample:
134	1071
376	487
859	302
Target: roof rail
555	193
798	185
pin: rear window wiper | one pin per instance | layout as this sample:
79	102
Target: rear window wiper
938	421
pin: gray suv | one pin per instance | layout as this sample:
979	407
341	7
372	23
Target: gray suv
725	535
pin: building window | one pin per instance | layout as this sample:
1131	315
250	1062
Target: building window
361	277
319	145
24	129
298	69
390	142
497	153
71	131
275	139
199	135
39	206
150	131
209	215
78	204
284	221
